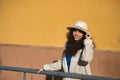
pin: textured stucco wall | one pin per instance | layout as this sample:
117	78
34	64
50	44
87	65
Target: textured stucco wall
105	62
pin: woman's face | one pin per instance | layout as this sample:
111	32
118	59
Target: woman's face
77	34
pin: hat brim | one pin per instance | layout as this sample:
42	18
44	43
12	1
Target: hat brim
70	28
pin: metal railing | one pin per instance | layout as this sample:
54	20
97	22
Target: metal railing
54	73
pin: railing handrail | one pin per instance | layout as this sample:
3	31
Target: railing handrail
55	73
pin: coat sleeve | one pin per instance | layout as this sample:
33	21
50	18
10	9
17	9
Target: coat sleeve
53	66
88	51
57	65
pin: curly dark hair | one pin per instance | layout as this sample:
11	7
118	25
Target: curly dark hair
72	46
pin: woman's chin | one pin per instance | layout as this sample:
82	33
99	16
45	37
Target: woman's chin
76	39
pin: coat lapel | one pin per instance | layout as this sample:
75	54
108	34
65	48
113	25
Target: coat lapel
74	61
64	63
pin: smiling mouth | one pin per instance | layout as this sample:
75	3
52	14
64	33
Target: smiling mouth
77	37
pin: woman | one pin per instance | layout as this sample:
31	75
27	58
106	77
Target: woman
77	54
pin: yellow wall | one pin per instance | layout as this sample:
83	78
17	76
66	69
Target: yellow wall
44	22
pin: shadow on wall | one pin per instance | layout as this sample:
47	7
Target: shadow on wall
0	62
50	78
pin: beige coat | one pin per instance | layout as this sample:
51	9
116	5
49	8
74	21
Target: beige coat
74	67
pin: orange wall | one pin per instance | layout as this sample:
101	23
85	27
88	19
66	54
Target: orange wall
44	22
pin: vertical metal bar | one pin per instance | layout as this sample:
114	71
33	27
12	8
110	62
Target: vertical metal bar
24	78
53	77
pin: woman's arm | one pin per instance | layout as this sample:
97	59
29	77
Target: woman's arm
88	50
53	66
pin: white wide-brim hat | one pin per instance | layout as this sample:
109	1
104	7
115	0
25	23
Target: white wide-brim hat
81	25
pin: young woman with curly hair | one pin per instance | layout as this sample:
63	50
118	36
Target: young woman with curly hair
77	54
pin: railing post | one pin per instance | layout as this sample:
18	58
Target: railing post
24	76
53	77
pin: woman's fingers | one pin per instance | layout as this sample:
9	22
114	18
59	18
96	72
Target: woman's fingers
40	70
88	35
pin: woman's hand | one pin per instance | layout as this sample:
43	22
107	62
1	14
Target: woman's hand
40	70
88	35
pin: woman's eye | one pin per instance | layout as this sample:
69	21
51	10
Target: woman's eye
80	31
75	30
